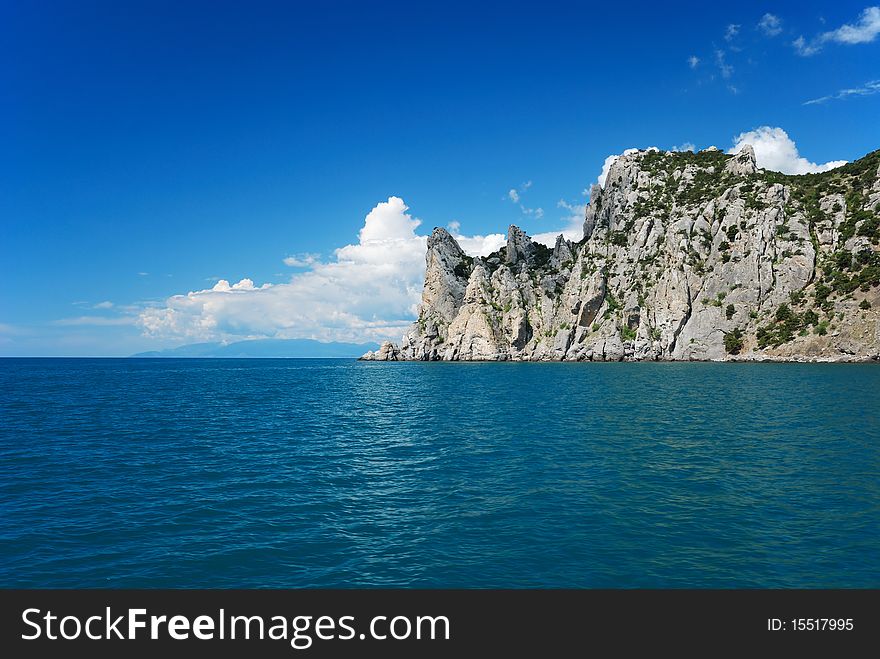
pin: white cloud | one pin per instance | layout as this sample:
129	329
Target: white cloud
573	227
687	146
222	286
724	68
301	260
369	292
868	89
576	210
143	274
864	31
693	61
776	151
770	25
480	245
388	221
731	32
804	49
454	226
106	304
515	195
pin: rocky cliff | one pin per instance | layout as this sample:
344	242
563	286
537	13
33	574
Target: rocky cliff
685	256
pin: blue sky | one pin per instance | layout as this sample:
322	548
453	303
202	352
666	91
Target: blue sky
150	150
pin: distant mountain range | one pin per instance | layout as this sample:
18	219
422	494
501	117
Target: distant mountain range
291	348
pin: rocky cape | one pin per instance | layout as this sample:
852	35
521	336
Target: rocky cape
685	256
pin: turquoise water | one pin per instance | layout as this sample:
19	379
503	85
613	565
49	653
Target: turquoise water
335	473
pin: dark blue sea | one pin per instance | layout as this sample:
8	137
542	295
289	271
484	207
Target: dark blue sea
335	473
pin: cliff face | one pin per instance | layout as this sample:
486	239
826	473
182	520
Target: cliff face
685	257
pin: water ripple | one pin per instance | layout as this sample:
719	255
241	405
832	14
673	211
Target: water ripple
331	473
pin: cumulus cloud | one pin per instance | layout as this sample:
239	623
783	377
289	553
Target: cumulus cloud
693	61
480	245
770	25
687	146
387	221
731	32
865	30
476	245
223	286
369	291
868	89
776	151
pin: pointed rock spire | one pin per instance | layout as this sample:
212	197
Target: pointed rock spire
445	276
562	251
744	162
520	248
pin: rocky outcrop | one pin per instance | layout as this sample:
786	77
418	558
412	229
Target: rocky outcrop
520	251
387	352
685	256
743	163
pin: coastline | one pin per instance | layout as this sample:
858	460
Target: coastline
388	352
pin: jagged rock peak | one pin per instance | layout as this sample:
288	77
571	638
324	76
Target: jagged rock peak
447	269
744	162
440	238
562	251
520	248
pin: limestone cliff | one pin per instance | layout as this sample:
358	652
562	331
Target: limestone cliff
685	256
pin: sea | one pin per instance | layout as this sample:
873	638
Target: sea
333	473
